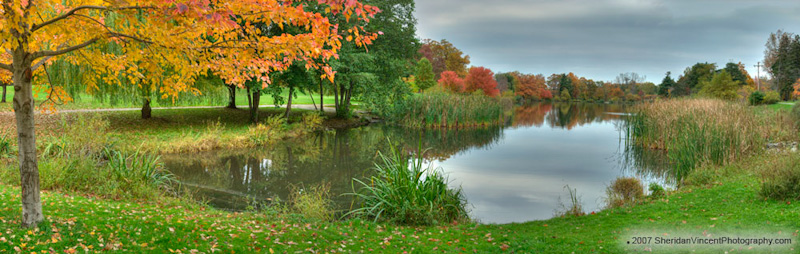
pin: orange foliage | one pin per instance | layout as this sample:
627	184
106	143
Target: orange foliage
532	87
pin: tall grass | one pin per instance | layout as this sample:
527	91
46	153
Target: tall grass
414	195
575	206
5	144
694	132
446	110
313	202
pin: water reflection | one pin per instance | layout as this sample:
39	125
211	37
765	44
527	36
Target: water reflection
510	174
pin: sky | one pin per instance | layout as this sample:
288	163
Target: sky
599	39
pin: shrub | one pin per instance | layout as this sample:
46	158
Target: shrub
782	180
266	133
414	195
313	202
756	98
311	121
772	97
624	191
656	190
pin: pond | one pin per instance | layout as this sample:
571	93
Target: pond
514	173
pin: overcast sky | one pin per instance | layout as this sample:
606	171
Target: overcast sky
600	39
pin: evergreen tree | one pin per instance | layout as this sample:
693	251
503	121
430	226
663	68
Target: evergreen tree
666	85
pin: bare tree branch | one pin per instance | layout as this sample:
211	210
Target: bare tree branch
5	66
84	7
40	63
62	51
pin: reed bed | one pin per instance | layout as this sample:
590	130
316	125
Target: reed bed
694	132
444	110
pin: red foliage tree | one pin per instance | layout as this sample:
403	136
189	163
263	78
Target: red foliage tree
480	78
452	82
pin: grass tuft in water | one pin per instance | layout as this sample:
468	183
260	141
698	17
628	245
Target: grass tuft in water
574	208
409	195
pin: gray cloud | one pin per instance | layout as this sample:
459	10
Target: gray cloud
601	38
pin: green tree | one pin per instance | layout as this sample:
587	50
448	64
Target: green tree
666	85
392	56
785	66
565	95
721	86
693	77
424	76
736	73
565	84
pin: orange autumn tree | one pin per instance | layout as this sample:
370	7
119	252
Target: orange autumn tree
169	42
532	87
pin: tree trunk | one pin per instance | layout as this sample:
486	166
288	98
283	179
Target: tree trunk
4	93
256	98
289	103
312	100
336	99
26	135
231	96
249	99
146	110
321	99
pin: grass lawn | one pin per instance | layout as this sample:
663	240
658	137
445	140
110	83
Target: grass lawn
782	106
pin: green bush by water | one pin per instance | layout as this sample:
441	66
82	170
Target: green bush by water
414	195
657	190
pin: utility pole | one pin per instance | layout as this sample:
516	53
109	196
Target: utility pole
758	76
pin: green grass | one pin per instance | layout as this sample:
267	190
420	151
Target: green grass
86	101
781	106
727	203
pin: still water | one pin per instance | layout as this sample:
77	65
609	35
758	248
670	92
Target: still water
514	173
